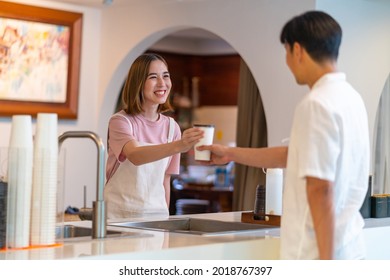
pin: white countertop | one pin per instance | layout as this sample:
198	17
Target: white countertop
147	244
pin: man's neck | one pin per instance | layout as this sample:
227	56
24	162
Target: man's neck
316	71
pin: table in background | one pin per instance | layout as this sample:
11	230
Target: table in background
220	198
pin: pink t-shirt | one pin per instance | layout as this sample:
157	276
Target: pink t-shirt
141	130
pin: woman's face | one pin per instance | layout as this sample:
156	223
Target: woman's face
158	84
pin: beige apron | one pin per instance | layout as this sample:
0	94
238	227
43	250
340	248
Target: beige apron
138	190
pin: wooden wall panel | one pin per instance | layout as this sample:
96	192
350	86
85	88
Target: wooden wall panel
218	76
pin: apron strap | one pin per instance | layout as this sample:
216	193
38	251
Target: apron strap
108	130
171	129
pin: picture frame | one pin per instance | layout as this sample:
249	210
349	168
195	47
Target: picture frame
39	60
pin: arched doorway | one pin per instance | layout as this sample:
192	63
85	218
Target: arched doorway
201	52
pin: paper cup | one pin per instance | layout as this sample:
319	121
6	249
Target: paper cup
206	140
44	188
20	168
21	132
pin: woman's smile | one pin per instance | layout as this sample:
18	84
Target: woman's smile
158	83
160	92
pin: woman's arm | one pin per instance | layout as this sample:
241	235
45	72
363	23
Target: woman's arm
144	154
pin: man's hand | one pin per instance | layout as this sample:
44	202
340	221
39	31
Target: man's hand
218	154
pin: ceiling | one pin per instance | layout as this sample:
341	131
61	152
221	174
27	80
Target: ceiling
107	3
97	3
188	37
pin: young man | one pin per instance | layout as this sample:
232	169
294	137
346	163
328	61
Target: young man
327	160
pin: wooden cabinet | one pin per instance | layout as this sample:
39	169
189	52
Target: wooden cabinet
218	77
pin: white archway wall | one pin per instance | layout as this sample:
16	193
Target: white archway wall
264	54
238	22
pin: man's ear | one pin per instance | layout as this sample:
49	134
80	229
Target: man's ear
297	51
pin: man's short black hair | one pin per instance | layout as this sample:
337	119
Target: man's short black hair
317	32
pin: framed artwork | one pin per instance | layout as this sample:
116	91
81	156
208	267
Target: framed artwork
39	60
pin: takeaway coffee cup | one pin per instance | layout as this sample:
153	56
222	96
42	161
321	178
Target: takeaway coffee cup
206	140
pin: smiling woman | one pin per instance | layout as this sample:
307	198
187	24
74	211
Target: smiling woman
144	145
157	88
153	75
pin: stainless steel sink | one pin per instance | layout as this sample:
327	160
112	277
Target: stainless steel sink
194	226
68	232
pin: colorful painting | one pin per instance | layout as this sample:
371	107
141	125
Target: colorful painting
33	61
40	51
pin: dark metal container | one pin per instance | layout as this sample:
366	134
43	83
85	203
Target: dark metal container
3	213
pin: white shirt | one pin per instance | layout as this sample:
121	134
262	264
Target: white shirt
329	140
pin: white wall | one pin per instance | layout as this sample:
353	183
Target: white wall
252	27
365	50
223	117
113	37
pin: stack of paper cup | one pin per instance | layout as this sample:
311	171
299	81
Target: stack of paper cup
20	164
274	186
44	190
3	163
